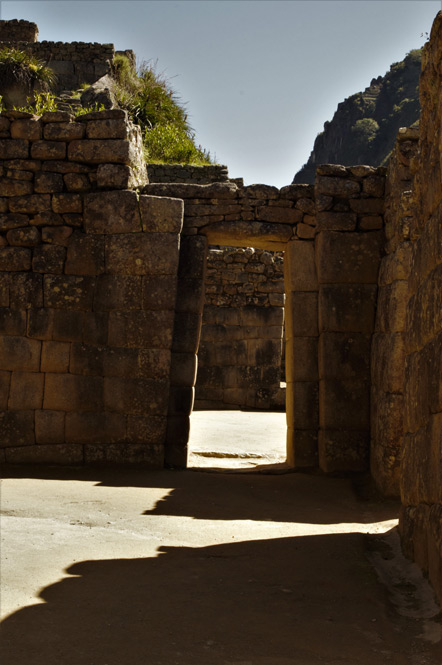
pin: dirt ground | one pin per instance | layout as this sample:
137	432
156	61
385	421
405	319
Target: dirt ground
196	568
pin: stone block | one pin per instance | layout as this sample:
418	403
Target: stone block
367	206
40	323
183	369
47	218
258	352
344	356
4	289
15	259
117	292
63	131
85	255
55	357
26	391
302	448
153	363
392	308
95	327
136	396
149	456
115	176
13	187
302	405
108	128
67	392
262	316
112	212
26	291
48	150
16	428
68	292
418	387
159	292
301	359
242	377
336	221
187	331
341	450
344	404
388	362
193	252
279	215
65	454
336	186
142	254
14	149
181	400
146	429
12	322
48	183
305	232
301	315
32	204
19	353
177	436
96	151
27	237
99	427
348	258
56	235
371	222
13	221
161	214
347	308
300	267
77	182
67	203
49	427
49	259
5	380
396	266
90	360
29	129
140	329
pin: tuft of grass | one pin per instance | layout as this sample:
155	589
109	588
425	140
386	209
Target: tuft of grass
24	66
42	102
155	107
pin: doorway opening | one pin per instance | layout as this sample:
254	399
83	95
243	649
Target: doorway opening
239	420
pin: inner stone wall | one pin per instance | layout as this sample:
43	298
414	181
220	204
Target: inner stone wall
240	352
198	175
88	274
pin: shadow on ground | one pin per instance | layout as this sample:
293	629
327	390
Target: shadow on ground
294	497
269	602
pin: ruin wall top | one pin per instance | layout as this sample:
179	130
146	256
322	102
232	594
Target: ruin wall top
18	31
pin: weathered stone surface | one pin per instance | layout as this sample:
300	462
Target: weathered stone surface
392	307
100	427
336	221
46	454
142	254
12	322
17	428
67	392
301	315
367	206
26	291
161	214
14	149
13	221
141	329
68	292
118	292
302	405
62	203
115	176
85	255
112	212
388	353
13	187
341	450
344	356
183	369
136	396
32	204
159	292
300	267
49	428
347	308
301	361
48	150
20	354
14	259
77	182
49	259
107	129
348	258
149	456
279	215
58	235
48	183
344	404
63	131
336	186
26	391
97	151
55	357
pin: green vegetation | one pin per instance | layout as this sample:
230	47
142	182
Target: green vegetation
46	101
153	105
21	67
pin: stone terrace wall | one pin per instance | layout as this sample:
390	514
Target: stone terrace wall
241	337
198	175
388	346
421	467
18	31
87	293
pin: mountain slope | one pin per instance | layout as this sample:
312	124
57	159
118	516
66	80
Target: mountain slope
364	127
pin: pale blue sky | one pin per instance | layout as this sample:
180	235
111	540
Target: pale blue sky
259	77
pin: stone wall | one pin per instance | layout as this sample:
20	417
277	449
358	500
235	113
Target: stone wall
88	273
421	469
240	352
18	31
388	345
198	175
